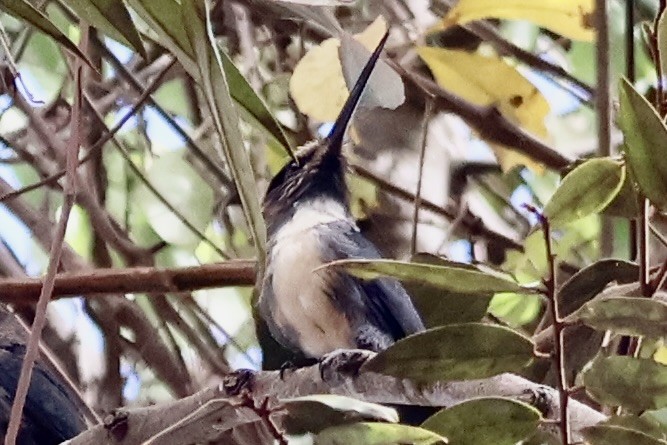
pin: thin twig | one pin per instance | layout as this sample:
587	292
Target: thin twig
603	108
473	225
217	170
657	234
142	178
94	149
558	327
487	120
69	193
264	412
418	193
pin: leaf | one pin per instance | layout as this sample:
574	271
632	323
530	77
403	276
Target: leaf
592	279
636	384
508	158
455	352
111	17
626	202
617	435
320	2
456	278
485	421
25	11
377	434
515	309
569	18
384	88
225	119
312	414
184	189
164	18
646	424
662	41
318	86
587	189
490	81
645	137
439	307
252	103
626	315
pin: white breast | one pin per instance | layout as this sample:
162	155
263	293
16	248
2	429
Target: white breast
302	303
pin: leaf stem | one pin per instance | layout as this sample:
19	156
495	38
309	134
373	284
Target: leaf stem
558	327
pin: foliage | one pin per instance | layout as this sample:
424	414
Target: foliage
552	236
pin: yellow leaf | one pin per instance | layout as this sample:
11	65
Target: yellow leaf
660	355
489	81
509	158
317	84
569	18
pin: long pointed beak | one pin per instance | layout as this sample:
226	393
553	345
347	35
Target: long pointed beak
335	139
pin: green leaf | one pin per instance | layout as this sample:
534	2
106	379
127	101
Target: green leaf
455	352
645	138
592	279
225	119
646	424
617	435
662	41
515	309
439	307
165	19
377	434
457	277
587	189
25	11
636	384
252	103
172	97
312	414
626	315
184	189
111	17
626	202
485	421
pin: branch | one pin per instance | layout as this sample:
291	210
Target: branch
132	280
213	411
55	252
472	223
488	121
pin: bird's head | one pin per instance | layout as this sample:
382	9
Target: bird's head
318	170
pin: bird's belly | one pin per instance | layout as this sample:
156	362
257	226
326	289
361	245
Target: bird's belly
302	297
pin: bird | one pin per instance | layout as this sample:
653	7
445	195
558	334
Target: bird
311	310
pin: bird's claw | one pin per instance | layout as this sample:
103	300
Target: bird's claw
341	363
287	366
238	381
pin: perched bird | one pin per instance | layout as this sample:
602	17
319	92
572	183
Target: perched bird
316	312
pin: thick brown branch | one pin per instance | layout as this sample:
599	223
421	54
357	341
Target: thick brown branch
208	419
136	279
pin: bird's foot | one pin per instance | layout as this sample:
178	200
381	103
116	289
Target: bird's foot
290	366
341	363
239	381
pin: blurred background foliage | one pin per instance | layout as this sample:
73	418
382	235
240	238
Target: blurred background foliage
537	75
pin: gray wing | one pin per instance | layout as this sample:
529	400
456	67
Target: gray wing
388	307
